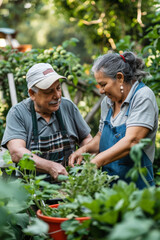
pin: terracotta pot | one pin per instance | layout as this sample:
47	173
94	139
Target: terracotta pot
24	47
54	223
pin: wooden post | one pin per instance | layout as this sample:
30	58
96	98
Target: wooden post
65	91
12	88
90	115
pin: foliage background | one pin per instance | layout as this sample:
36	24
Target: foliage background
100	26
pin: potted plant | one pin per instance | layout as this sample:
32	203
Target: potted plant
55	230
17	219
83	182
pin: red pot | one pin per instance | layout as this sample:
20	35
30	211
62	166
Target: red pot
54	223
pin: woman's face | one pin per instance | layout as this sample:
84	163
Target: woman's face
108	86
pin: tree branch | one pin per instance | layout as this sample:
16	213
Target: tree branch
1	1
139	13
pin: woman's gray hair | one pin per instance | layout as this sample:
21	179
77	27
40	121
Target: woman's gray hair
129	64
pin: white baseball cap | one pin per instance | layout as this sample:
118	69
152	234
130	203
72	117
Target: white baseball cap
42	75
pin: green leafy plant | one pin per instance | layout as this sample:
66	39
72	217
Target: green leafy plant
112	208
85	180
14	212
121	212
109	209
136	155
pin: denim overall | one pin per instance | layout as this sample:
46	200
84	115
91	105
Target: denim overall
56	146
110	136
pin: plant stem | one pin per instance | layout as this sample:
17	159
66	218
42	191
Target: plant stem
39	206
143	178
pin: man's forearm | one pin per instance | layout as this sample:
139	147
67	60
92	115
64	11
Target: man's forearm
41	163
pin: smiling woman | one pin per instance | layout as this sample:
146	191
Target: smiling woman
129	112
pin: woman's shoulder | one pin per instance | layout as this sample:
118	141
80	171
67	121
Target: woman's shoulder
146	96
146	93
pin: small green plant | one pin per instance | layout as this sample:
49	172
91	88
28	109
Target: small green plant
109	209
38	189
15	218
136	155
85	180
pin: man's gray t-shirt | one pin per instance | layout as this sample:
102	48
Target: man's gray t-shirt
19	123
143	112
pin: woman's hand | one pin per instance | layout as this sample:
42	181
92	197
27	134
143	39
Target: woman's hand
76	157
91	147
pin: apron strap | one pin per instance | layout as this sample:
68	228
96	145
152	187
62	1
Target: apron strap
34	121
35	126
109	114
140	85
60	121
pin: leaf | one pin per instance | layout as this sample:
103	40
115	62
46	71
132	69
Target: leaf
26	163
135	153
14	206
40	177
131	228
134	175
157	44
38	227
109	217
136	150
153	234
147	201
22	219
7	157
119	205
94	206
69	225
62	177
71	42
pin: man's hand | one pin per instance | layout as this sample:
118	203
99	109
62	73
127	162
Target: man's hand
55	169
17	148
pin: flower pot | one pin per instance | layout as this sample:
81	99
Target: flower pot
24	47
54	223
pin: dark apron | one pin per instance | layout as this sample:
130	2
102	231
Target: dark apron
110	136
55	147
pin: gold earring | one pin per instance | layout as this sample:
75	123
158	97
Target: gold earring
121	89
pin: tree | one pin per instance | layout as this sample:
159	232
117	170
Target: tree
14	11
106	22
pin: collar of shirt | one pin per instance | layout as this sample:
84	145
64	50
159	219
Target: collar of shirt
128	98
133	88
53	117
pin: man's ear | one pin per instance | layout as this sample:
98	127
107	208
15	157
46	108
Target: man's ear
120	77
31	94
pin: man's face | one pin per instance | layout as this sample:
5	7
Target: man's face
48	100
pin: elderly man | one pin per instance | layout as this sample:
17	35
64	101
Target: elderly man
45	121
